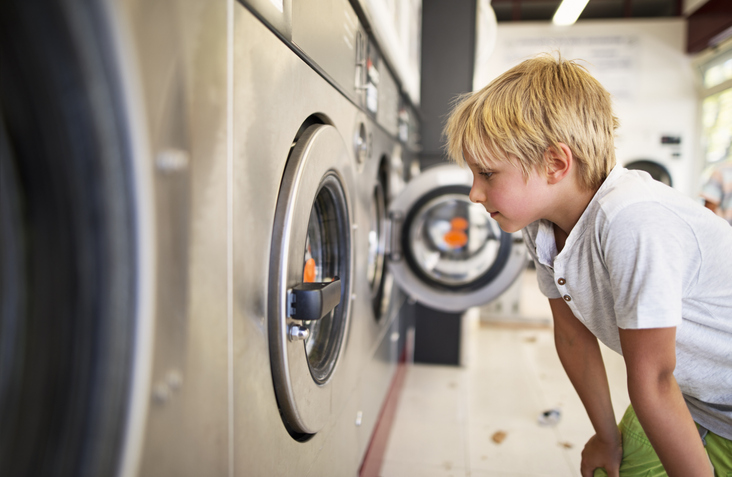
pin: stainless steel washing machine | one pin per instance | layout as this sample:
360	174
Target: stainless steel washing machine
114	165
197	249
301	222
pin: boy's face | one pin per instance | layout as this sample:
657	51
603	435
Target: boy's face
510	199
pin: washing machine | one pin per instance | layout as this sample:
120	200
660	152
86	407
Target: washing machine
200	211
668	158
311	296
114	238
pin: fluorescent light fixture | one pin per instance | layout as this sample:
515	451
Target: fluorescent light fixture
569	11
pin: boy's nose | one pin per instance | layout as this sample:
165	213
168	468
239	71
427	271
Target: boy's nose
476	195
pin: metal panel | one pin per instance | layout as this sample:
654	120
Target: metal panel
181	52
277	13
274	93
329	33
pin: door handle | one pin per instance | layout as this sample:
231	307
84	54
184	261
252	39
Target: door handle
312	301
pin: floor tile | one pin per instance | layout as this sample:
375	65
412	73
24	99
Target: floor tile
427	442
400	469
527	449
434	393
448	417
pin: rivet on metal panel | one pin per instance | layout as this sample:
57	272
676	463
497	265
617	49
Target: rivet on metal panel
353	297
395	337
175	379
161	393
359	418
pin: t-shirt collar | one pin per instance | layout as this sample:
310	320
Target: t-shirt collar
546	246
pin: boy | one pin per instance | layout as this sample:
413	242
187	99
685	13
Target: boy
621	258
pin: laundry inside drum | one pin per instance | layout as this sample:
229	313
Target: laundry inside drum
454	241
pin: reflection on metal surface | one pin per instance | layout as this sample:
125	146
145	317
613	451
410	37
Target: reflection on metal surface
361	143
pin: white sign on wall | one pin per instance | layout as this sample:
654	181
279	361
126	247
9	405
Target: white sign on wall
642	63
612	59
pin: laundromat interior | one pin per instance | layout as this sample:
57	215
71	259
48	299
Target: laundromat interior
232	243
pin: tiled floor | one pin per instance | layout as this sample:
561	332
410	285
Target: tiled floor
481	420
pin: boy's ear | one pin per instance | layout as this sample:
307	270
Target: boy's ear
558	161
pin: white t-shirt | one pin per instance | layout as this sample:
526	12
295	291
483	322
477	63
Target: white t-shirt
643	255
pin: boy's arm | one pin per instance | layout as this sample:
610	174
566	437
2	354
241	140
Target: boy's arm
650	356
580	355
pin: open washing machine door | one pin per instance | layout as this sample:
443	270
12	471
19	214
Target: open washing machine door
310	278
447	252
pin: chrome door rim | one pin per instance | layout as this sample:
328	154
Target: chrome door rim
320	154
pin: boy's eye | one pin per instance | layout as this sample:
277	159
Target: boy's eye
486	174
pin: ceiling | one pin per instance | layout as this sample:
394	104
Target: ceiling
543	10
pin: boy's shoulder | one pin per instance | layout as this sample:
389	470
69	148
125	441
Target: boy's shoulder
624	188
634	201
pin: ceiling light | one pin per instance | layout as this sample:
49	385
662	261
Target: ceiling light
569	11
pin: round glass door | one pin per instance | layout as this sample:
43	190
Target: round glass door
447	252
656	170
325	258
453	243
310	278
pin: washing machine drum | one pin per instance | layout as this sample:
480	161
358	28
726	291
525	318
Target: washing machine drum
452	243
446	251
310	278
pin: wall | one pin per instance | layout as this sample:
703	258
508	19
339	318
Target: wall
448	41
643	65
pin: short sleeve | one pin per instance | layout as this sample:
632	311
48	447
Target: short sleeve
644	249
544	273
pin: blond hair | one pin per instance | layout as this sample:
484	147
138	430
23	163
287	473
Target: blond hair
530	109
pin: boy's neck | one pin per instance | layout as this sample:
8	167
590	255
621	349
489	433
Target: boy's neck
570	205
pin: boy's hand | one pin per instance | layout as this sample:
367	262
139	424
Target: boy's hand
601	454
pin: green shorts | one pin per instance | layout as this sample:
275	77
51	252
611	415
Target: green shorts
640	460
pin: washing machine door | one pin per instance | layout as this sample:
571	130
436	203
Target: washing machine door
447	252
658	171
310	278
378	279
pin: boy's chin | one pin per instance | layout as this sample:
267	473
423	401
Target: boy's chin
509	227
510	230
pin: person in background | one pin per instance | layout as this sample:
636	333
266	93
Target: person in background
717	192
621	257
